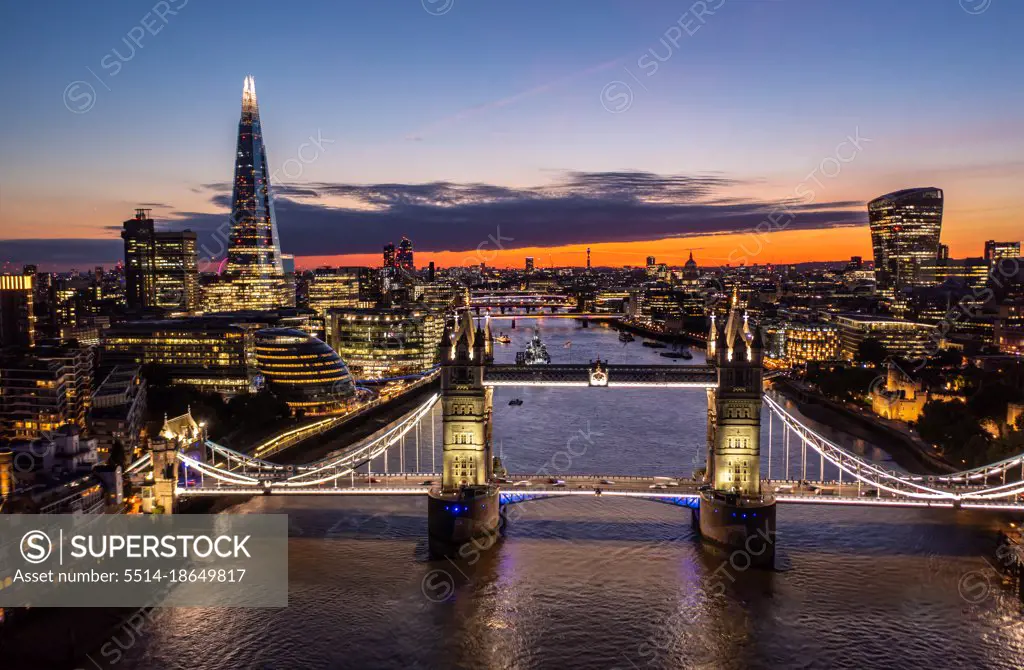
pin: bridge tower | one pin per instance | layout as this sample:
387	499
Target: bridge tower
735	512
466	411
465	508
160	497
737	431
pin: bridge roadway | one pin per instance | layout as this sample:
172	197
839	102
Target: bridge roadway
671	376
519	488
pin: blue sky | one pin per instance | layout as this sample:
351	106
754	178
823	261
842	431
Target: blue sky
506	94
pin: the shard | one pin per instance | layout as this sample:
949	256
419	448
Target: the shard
254	277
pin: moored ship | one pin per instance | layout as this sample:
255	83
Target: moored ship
536	352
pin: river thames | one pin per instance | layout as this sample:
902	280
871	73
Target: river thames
602	582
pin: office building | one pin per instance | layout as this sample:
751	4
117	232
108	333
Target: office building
902	338
390	257
811	342
997	250
161	270
905	227
303	371
211	354
330	288
529	264
17	310
177	272
386	342
440	295
970	272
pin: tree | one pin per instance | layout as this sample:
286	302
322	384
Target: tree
956	430
990	400
842	383
870	350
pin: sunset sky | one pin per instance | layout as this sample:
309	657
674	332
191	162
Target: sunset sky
489	131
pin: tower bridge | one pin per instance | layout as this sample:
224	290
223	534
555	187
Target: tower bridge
730	504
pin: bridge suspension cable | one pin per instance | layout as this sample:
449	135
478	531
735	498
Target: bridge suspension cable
859	468
898	483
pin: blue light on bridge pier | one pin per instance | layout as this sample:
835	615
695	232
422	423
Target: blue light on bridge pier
691	502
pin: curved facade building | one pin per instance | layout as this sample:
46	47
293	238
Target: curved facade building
303	371
905	228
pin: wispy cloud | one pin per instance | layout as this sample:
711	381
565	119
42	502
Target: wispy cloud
441	124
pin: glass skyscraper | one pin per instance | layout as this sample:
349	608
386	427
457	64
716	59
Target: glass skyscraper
404	258
254	277
905	228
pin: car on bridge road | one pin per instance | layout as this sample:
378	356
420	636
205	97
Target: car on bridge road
524	482
657	486
606	482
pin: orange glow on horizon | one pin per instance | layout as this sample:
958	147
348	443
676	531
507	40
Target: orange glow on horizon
832	244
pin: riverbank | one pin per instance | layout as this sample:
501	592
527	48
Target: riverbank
661	336
910	454
357	428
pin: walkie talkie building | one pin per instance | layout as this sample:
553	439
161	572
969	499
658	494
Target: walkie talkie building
905	228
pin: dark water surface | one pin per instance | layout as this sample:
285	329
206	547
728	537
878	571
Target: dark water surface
609	583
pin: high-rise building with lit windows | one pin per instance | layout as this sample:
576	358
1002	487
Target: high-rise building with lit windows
404	257
177	271
333	287
905	228
161	269
254	277
43	389
139	273
997	250
17	310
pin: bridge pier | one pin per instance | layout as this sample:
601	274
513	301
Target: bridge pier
464	521
738	525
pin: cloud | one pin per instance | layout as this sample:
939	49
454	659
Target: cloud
322	219
579	208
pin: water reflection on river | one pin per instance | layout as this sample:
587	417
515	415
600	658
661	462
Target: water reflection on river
609	583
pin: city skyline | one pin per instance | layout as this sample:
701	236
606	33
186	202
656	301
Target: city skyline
431	324
545	156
